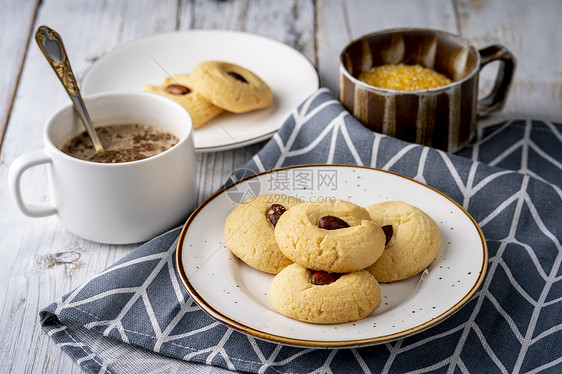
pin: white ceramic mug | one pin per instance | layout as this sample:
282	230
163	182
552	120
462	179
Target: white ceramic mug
115	203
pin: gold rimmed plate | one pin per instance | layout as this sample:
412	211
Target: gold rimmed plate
237	295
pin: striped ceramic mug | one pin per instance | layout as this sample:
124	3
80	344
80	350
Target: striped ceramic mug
442	117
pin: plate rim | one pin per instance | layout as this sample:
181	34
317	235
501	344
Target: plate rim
212	148
218	316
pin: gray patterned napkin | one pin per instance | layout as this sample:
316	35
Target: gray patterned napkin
137	317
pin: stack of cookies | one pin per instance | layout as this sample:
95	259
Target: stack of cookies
215	87
330	256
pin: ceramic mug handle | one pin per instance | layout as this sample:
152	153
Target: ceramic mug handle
17	168
496	98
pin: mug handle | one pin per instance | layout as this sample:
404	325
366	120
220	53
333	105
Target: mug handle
495	100
17	168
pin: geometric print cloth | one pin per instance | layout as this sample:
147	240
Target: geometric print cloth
137	317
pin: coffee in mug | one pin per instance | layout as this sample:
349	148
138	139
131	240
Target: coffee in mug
121	143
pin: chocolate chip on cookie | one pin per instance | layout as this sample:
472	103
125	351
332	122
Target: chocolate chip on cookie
321	278
274	213
388	232
237	76
177	89
332	223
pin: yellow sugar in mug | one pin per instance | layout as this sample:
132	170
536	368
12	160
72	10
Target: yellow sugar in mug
443	116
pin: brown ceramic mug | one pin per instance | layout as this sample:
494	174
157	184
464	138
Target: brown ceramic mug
442	117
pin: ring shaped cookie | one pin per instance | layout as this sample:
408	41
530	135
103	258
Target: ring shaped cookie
200	109
230	86
334	251
249	233
351	297
414	245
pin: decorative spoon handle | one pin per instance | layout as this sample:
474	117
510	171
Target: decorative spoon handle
50	43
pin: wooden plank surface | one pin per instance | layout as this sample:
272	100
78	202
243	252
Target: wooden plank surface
16	22
532	33
34	270
339	22
291	22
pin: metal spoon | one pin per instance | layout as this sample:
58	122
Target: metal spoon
51	45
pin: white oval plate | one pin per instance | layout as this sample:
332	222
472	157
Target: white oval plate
291	76
237	295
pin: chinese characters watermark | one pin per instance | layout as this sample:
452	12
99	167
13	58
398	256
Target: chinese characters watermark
291	180
302	184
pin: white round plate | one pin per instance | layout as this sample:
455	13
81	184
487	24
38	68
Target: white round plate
290	75
237	295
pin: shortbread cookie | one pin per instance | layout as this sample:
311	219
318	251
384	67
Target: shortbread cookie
338	299
414	244
333	236
179	89
248	231
230	86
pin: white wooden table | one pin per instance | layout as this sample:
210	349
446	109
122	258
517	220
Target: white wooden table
40	261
